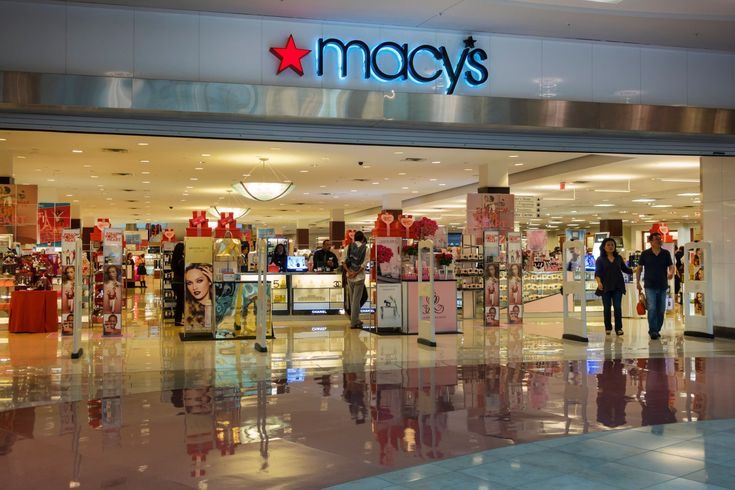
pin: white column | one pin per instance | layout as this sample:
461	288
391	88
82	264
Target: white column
718	223
393	202
493	175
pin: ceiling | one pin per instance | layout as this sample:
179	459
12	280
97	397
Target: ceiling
164	179
703	24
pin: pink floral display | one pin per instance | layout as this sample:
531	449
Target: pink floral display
423	228
384	254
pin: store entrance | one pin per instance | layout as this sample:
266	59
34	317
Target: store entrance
153	187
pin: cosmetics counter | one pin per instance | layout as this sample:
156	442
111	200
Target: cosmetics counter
306	293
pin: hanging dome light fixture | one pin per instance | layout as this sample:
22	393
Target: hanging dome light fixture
230	204
265	187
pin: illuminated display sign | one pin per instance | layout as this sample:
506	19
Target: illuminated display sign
467	65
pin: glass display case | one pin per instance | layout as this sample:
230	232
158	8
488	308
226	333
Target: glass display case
279	291
317	293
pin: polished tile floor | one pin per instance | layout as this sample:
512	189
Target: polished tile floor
328	405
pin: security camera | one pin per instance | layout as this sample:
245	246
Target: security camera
361	163
170	207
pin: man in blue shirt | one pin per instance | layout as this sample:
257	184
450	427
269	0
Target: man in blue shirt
659	270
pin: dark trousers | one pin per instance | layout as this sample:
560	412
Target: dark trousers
656	306
612	299
179	293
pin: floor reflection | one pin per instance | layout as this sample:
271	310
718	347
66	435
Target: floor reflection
267	420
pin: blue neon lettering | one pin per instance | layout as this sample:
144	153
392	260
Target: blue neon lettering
469	65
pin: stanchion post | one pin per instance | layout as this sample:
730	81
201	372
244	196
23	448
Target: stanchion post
262	302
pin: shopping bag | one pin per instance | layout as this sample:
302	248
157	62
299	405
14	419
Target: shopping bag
640	308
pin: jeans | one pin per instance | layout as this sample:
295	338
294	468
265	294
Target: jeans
354	295
612	299
656	305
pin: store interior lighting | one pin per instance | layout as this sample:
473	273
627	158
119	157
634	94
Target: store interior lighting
269	189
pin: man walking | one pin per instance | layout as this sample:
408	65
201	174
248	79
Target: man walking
356	258
659	270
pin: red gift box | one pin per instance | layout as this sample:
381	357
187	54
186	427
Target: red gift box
199	232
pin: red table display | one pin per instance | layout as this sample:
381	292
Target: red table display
33	312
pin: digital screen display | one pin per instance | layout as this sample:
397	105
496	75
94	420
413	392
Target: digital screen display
296	263
454	239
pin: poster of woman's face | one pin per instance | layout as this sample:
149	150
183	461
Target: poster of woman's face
492	316
198	298
112	300
67	328
492	285
515	285
515	314
111	324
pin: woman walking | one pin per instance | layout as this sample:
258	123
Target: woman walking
609	269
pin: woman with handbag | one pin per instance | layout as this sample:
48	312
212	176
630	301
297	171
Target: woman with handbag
609	269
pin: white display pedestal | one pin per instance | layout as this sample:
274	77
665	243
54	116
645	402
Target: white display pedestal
573	284
427	328
697	290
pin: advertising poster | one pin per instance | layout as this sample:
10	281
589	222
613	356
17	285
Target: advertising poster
515	278
19	212
491	247
696	265
199	315
68	256
53	218
490	211
444	303
389	307
237	309
537	240
388	259
112	281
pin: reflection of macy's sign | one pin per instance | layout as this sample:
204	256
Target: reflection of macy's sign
438	307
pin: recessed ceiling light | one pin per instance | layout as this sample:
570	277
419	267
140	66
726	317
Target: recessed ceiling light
519	164
404	188
3	139
644	199
353	190
145	161
146	182
468	170
304	171
87	165
76	200
94	176
436	161
398	153
77	151
432	180
414	192
70	195
442	185
206	155
322	186
193	178
21	157
108	198
512	156
306	193
376	183
688	194
145	173
189	187
198	168
684	181
51	180
275	149
604	205
366	166
142	144
661	206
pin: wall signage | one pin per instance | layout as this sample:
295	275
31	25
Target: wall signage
467	65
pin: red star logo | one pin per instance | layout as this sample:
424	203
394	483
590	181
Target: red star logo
290	56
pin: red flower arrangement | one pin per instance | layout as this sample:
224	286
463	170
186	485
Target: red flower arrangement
384	254
444	258
423	228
